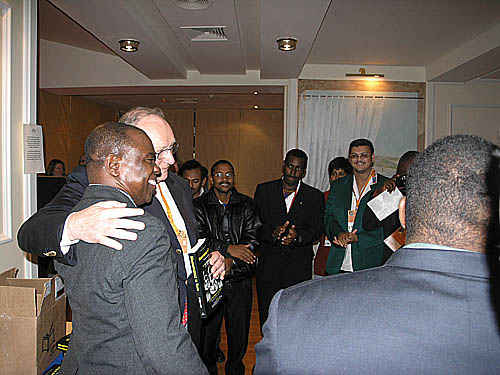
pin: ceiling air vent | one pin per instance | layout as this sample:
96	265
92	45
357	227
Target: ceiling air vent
187	100
205	33
193	4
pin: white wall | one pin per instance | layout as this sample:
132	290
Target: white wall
446	101
22	109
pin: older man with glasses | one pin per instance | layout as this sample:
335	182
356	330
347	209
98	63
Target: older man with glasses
354	248
53	230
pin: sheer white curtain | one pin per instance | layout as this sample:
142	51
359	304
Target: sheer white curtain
328	124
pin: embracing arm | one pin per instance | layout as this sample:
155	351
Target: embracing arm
151	299
42	232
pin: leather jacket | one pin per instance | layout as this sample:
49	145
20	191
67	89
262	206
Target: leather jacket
236	223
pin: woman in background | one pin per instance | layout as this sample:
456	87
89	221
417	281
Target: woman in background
337	168
56	168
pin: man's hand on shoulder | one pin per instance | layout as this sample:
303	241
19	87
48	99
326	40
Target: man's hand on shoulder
218	265
103	220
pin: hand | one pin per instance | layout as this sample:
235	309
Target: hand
280	230
288	239
242	252
218	265
346	238
389	185
228	263
99	222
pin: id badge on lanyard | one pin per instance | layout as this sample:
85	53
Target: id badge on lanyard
351	216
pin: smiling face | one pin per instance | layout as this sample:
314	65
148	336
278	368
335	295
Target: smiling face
162	137
294	169
361	159
138	170
223	179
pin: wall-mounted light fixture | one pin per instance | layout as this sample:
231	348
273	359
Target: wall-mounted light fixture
129	45
287	44
363	73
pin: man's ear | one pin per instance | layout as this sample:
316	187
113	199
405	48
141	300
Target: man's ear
211	179
112	164
402	212
204	181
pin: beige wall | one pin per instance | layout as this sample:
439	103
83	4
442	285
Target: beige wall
479	97
10	255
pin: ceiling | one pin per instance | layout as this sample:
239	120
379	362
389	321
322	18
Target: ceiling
354	32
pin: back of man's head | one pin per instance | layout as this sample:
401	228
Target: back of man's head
447	193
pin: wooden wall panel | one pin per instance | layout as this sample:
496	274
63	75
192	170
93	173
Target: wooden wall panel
261	147
181	122
67	121
251	140
217	137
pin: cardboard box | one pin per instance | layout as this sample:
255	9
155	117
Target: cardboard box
32	319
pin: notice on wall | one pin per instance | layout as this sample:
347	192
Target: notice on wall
33	149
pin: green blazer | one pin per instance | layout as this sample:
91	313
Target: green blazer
368	251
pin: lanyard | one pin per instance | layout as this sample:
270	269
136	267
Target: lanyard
372	174
181	235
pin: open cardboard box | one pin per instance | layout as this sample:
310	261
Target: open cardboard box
32	319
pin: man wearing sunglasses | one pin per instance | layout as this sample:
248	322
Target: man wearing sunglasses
52	231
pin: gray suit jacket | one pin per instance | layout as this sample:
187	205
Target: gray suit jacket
426	311
126	317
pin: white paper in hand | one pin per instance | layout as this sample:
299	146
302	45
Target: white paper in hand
385	203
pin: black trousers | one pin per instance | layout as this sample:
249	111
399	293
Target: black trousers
194	316
278	271
236	308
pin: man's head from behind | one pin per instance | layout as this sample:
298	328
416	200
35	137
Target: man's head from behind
447	201
195	174
122	156
152	121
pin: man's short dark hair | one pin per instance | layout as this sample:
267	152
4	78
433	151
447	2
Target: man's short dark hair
219	162
109	138
136	114
298	153
447	189
190	165
361	142
339	163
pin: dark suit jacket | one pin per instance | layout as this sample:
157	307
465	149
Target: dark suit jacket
368	251
426	311
306	214
126	318
42	232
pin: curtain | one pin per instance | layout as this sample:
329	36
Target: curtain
328	124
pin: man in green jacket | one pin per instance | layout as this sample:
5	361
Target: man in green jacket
354	248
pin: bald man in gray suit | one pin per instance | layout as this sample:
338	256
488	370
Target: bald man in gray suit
126	315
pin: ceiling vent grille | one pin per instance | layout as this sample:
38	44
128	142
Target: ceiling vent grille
205	33
193	4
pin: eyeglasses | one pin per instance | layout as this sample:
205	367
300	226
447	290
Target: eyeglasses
172	149
221	175
359	156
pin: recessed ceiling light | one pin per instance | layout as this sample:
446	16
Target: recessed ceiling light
256	106
255	93
287	44
129	45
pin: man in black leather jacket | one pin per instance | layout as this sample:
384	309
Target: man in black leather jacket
230	223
